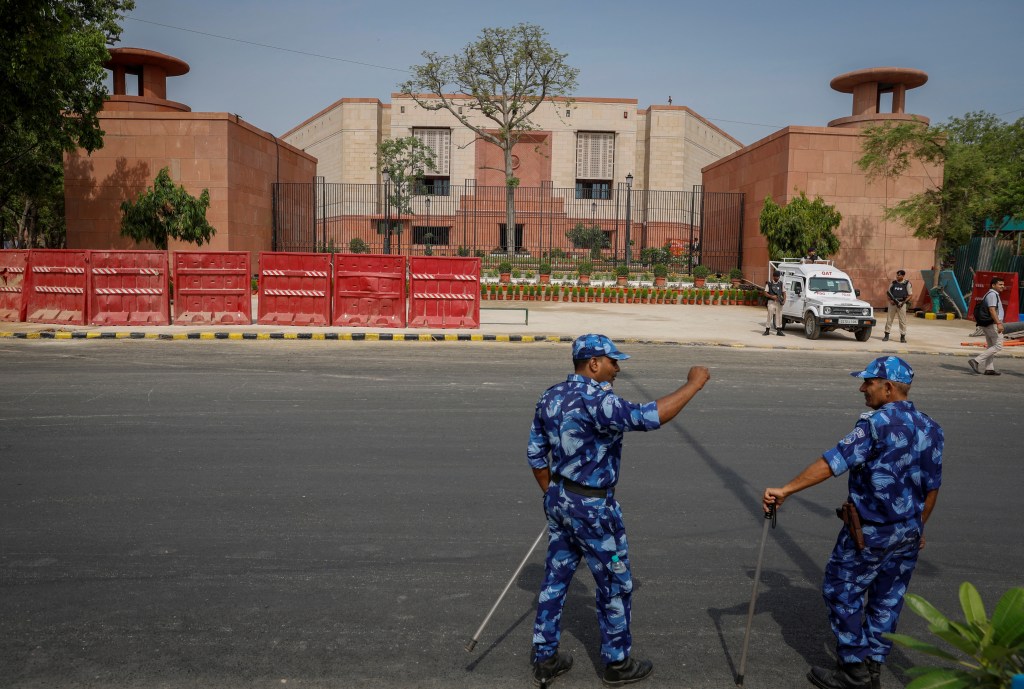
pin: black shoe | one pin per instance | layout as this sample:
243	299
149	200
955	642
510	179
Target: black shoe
903	339
848	676
626	672
993	373
545	672
885	338
767	330
974	365
780	333
875	673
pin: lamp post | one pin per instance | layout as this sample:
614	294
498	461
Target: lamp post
629	194
386	174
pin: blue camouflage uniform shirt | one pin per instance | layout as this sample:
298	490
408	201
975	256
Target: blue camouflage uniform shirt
894	456
581	422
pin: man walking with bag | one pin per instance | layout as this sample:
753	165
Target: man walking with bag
991	305
894	458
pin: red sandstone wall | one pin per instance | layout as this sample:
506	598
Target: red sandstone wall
234	160
822	161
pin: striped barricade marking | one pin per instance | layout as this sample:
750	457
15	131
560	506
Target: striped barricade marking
59	290
296	273
74	270
294	293
438	295
440	276
129	290
126	271
9	289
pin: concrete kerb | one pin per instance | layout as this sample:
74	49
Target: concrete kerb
560	323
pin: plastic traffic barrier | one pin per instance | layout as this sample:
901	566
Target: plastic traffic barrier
1010	297
212	287
128	288
444	292
13	264
58	286
369	290
294	289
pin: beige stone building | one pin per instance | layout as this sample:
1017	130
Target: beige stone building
573	168
589	144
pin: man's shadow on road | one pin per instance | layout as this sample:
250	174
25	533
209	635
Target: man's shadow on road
579	617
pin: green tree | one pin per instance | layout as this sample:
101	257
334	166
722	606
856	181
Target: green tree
800	225
588	237
165	211
51	89
983	175
507	73
405	161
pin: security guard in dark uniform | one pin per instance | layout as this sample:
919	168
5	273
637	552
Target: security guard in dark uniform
899	294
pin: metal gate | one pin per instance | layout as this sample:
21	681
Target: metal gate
469	221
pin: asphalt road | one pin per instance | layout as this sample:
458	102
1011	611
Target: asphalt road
329	514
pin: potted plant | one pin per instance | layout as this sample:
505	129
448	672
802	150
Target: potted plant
660	274
544	272
622	274
736	277
505	271
584	270
700	275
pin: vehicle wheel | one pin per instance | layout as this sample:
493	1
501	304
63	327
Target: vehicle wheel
811	327
863	334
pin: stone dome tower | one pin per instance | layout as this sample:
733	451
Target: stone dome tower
867	87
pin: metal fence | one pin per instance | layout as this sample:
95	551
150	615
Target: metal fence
679	228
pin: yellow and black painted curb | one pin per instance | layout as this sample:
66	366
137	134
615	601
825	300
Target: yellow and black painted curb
940	316
350	337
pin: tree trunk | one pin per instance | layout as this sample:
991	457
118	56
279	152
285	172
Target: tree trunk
510	203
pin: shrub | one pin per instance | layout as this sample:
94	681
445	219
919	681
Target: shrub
585	268
622	271
462	251
544	268
358	246
735	274
995	646
701	271
660	270
505	267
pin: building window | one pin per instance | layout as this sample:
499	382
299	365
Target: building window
382	227
595	164
439	141
438	236
503	238
433	186
588	189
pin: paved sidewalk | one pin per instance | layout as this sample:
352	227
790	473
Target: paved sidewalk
733	326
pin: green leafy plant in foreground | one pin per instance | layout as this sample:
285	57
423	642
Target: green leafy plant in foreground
995	646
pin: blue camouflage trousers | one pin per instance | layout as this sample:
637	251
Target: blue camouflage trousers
880	573
591	528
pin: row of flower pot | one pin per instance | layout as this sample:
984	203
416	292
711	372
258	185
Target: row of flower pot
621	295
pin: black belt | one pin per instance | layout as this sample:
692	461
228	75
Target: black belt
586	491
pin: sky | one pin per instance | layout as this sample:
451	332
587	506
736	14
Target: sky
751	67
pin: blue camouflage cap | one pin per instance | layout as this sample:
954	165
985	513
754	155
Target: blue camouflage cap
591	345
888	367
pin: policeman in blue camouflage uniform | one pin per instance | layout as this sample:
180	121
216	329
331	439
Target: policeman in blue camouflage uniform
580	424
894	457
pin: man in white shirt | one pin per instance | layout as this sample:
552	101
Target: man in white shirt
993	332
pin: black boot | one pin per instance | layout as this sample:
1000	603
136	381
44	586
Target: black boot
885	338
780	333
875	673
847	676
545	672
903	339
627	671
767	330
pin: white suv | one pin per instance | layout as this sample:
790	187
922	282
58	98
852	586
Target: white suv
823	298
